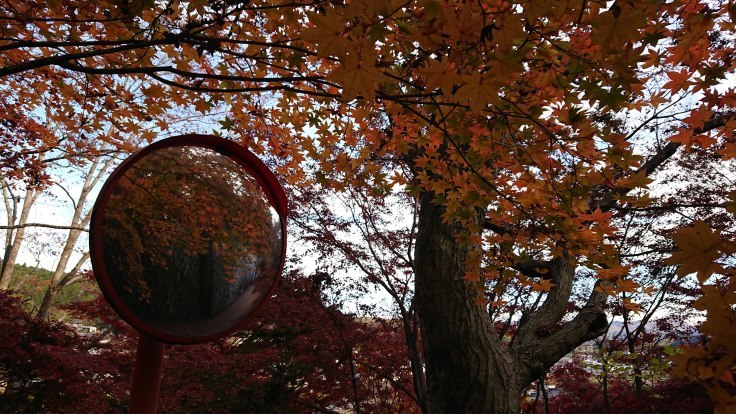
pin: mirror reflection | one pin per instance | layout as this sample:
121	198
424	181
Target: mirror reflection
190	241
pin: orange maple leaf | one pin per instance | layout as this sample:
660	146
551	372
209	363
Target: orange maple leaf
653	59
465	24
615	27
632	306
699	247
699	117
543	285
327	33
471	276
358	76
683	137
626	285
509	31
727	377
678	80
596	216
439	75
479	92
613	273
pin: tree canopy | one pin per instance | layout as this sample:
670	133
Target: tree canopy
547	148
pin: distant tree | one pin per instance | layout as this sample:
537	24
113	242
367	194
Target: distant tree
577	392
97	169
14	236
302	355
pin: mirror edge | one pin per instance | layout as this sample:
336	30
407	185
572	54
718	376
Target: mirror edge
238	153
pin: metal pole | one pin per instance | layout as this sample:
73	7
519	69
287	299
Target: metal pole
146	376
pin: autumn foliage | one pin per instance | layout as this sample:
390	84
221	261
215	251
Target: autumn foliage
550	158
302	356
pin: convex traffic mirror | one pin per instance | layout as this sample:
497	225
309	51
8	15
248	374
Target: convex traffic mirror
188	238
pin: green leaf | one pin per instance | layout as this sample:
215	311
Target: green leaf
227	123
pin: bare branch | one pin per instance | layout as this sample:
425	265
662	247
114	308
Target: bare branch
44	225
60	60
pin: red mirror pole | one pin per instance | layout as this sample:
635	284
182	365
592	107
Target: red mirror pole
146	376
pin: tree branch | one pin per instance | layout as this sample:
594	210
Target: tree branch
562	272
192	75
60	60
537	355
609	199
536	268
47	226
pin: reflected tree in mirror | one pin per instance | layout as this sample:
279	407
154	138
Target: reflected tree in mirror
190	241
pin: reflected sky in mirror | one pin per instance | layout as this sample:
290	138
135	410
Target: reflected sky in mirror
190	242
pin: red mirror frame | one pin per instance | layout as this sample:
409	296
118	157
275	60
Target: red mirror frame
246	159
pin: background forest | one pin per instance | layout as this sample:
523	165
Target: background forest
303	354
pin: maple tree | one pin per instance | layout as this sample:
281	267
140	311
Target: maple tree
528	134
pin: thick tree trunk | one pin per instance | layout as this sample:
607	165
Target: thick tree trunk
468	369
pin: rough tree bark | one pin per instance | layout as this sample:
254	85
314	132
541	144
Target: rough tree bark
11	207
469	368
